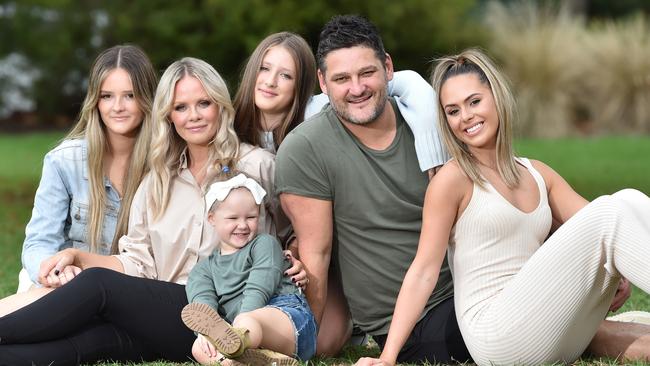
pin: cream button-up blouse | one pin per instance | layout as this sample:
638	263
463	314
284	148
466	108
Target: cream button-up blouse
167	248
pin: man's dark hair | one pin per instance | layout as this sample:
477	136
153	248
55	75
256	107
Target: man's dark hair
345	31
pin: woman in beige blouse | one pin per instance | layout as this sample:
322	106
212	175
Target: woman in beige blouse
129	309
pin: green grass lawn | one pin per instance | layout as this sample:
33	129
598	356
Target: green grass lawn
21	158
592	166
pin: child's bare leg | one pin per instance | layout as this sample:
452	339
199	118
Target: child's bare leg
17	301
268	328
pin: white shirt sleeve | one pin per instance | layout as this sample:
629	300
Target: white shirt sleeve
316	104
416	101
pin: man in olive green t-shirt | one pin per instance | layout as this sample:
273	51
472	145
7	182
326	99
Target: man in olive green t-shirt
349	181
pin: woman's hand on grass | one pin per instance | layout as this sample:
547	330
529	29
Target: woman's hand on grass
369	361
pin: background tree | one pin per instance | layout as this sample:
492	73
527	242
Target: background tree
60	38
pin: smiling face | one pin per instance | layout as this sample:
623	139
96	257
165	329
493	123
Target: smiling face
117	105
276	83
194	114
355	81
235	220
470	110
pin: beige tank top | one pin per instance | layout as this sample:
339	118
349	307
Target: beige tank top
490	243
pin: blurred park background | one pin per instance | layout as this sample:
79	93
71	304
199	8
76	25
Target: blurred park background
580	69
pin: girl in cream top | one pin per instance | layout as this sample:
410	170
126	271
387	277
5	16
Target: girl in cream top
146	251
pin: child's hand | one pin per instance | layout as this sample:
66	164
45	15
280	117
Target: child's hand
206	346
297	272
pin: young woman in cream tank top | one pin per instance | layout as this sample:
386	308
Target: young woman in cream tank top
521	296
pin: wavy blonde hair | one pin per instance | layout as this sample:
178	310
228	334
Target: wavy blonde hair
248	118
474	61
167	145
89	126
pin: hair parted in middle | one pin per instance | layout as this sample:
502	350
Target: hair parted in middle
474	61
89	126
167	145
248	119
345	31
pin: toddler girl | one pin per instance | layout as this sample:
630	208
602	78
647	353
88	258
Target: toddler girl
242	284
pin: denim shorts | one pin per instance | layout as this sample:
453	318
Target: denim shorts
298	311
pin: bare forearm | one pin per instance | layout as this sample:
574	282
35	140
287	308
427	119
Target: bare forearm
316	293
410	303
51	268
85	260
312	221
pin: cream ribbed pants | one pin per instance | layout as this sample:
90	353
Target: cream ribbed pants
552	308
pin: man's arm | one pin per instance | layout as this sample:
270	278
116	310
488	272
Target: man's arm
312	222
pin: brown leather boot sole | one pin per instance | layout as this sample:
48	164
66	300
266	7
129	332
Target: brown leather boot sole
202	319
264	357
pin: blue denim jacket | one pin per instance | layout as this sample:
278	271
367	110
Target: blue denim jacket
59	217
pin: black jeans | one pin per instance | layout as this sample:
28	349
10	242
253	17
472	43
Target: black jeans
99	315
435	338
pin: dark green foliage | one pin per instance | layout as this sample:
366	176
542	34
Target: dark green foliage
61	37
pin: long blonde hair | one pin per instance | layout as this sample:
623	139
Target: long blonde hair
473	61
167	145
89	126
248	118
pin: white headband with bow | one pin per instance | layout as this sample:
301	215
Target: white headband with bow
218	191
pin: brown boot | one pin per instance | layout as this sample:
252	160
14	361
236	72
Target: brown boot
203	319
264	357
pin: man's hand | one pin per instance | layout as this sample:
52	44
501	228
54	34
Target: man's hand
623	293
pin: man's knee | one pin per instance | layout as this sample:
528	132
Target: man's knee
330	344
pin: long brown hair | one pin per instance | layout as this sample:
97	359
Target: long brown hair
248	117
89	126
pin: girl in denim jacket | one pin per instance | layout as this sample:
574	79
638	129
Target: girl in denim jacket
94	173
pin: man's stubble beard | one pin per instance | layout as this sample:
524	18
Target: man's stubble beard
343	112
